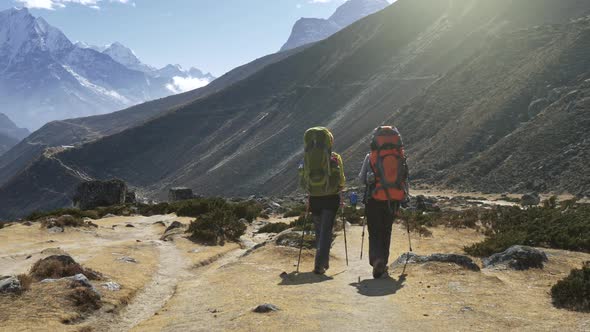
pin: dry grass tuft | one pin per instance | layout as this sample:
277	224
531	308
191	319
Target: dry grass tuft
85	299
25	281
60	266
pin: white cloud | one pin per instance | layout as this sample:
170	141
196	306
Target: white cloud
184	84
53	4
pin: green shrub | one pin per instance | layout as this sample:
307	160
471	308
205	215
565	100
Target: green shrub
353	215
60	212
63	222
296	211
551	226
274	228
216	227
298	224
573	292
249	210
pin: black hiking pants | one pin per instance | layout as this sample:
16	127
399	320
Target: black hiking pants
380	221
323	213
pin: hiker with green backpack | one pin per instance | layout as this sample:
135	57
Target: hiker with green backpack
385	175
322	176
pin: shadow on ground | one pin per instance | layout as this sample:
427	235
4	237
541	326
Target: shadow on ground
380	287
295	278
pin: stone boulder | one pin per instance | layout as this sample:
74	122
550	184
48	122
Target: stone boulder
180	194
532	199
413	258
265	308
130	197
10	285
176	228
92	194
517	258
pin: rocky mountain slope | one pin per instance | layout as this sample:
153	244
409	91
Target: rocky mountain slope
355	80
512	118
46	77
311	30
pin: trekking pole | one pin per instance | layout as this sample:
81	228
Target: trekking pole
364	224
344	228
363	236
303	233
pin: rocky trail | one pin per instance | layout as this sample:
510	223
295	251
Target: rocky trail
181	286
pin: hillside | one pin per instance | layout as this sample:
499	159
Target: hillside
512	118
82	130
351	82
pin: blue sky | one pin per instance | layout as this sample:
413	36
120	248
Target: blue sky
213	35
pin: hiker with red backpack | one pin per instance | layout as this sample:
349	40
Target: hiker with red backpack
322	176
385	175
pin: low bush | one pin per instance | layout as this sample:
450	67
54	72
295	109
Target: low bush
274	228
85	299
298	224
353	215
296	211
217	227
60	266
249	210
573	292
63	222
563	226
77	213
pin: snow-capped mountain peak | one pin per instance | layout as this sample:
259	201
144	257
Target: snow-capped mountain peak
46	77
125	56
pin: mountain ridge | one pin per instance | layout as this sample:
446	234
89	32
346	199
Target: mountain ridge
311	30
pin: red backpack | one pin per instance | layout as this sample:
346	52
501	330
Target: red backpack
388	162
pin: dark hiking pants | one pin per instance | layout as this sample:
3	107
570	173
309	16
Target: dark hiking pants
324	210
380	221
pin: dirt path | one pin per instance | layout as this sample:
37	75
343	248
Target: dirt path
182	286
171	268
430	297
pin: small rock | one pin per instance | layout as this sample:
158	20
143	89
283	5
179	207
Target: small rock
161	223
518	258
460	260
129	226
27	223
81	279
174	225
265	308
10	285
55	229
110	215
29	256
244	221
127	259
91	224
112	286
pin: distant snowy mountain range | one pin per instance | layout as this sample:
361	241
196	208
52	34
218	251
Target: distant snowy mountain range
311	30
46	77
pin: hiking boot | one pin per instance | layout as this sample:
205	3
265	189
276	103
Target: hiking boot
319	270
379	269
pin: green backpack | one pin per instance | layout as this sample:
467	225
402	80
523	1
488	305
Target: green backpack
319	176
